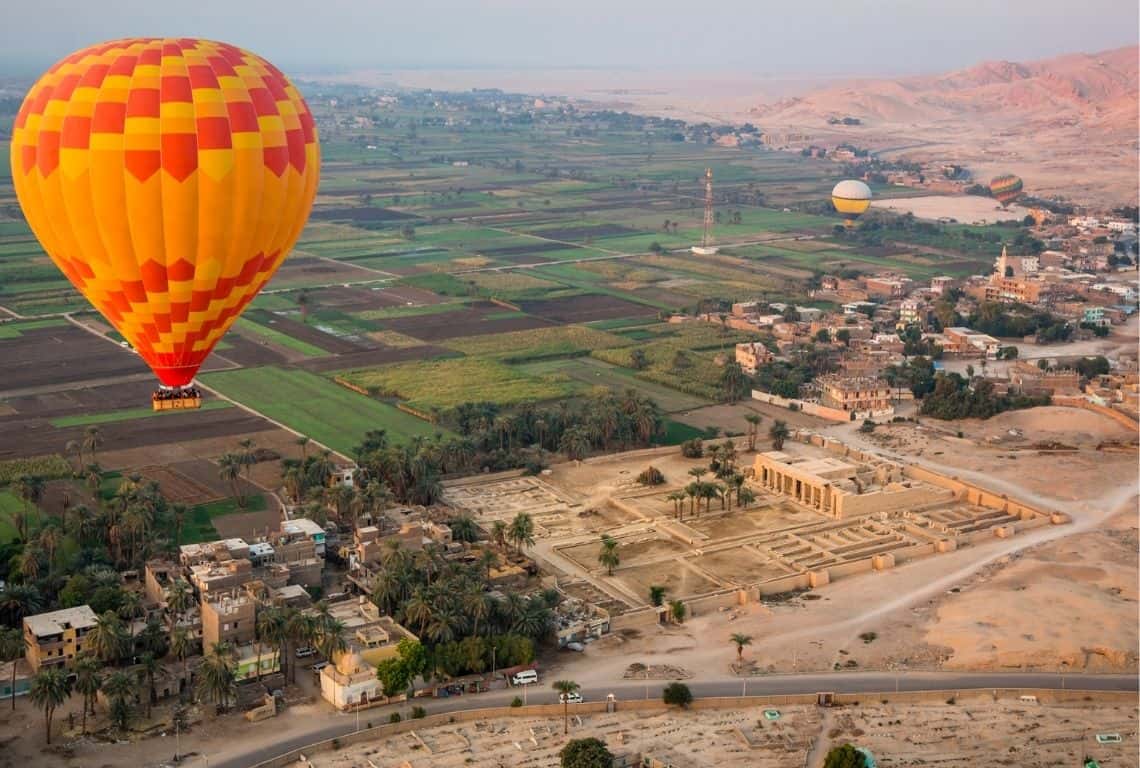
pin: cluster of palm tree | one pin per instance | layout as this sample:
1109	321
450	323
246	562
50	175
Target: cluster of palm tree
448	604
285	629
601	422
233	465
728	483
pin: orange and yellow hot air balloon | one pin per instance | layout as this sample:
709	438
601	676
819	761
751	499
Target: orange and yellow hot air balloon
167	179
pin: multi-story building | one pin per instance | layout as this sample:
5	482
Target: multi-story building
228	618
940	285
913	312
963	341
886	288
751	355
57	637
860	394
1013	289
304	527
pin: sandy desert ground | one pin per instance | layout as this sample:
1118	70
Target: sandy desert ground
976	730
966	209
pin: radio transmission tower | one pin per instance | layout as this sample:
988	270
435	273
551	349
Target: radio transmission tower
706	248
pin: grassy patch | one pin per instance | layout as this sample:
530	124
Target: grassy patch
258	331
127	414
677	433
198	524
10	504
15	330
536	343
445	384
314	406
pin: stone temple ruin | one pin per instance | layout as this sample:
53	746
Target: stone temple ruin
824	510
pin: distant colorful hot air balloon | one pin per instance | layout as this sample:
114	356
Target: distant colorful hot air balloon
167	179
851	198
1005	188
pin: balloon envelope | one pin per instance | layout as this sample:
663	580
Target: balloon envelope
851	198
167	179
1006	188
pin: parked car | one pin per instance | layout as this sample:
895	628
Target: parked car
316	668
306	652
526	677
570	698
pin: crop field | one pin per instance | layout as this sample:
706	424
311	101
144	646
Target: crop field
445	384
315	406
577	224
556	341
593	372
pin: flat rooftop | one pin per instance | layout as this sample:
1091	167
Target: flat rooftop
54	623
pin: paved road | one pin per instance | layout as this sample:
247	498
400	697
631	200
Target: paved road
845	682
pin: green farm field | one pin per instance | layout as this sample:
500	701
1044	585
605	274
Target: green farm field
445	384
315	406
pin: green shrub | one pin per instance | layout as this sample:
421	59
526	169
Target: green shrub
677	694
418	713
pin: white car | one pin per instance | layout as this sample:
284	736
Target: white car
570	698
304	653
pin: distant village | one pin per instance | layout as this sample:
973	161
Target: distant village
1081	286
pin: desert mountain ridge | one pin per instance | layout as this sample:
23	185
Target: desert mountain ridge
1032	115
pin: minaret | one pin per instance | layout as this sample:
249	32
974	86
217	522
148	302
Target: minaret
1001	264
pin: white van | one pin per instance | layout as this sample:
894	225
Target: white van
526	677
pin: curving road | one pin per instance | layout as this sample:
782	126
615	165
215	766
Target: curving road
769	685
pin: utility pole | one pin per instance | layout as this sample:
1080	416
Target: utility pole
706	238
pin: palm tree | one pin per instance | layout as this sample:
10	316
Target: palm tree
303	441
753	420
300	630
92	439
575	442
88	681
744	497
778	433
107	639
270	630
499	534
117	688
48	692
418	610
148	667
565	688
179	598
476	604
182	644
229	470
463	528
330	638
20	600
741	641
30	489
522	531
74	448
29	562
11	649
656	594
179	513
677	610
608	556
217	676
488	560
677	497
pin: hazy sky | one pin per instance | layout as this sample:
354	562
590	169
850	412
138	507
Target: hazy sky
761	37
